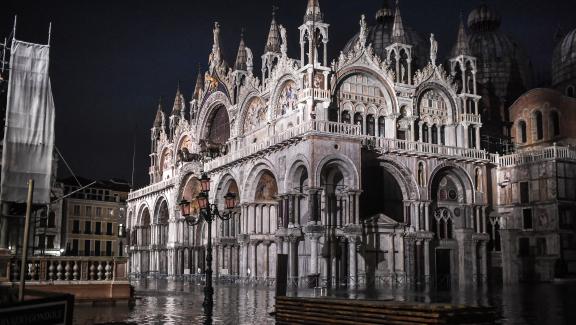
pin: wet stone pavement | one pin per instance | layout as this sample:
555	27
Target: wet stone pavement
174	302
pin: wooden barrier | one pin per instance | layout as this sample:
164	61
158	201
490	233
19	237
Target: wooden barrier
295	310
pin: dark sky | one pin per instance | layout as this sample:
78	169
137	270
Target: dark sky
112	60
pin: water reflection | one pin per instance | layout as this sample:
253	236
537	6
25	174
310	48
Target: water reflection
170	302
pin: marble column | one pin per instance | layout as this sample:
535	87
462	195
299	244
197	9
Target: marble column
427	261
353	268
292	257
313	238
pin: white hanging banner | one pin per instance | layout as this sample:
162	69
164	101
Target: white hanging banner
29	130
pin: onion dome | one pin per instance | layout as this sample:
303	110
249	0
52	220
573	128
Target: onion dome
503	67
564	62
381	35
482	18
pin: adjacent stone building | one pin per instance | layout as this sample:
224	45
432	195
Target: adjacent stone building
94	218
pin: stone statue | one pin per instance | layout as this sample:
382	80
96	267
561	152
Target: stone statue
284	45
433	49
402	74
216	32
363	31
249	59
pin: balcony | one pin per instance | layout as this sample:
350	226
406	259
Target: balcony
470	118
151	189
319	94
427	149
538	155
293	134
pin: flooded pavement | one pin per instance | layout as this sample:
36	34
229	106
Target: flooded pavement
173	302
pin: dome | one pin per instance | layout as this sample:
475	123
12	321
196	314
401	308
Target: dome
564	62
503	67
380	36
483	17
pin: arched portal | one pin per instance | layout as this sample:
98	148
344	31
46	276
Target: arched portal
217	128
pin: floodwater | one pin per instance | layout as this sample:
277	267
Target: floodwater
173	302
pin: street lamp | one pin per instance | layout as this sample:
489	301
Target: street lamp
208	213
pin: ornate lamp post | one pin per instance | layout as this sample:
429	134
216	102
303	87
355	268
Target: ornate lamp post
208	213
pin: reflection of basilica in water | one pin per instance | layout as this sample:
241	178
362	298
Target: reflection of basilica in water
374	171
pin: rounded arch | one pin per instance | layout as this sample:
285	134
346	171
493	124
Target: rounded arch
403	177
285	96
458	176
386	87
347	167
294	174
250	182
143	216
446	95
215	125
161	210
227	184
185	141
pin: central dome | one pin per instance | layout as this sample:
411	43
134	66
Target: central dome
380	36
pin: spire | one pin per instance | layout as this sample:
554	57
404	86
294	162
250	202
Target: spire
242	55
178	102
273	42
462	47
199	85
398	35
159	121
313	12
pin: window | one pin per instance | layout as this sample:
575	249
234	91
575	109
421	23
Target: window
98	212
86	248
111	212
75	247
527	219
522	132
524	193
88	211
120	248
541	246
566	219
539	126
98	230
121	230
570	91
523	247
108	248
50	242
554	124
87	227
76	226
41	241
51	219
77	210
96	248
109	229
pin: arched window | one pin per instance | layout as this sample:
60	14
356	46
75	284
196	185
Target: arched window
370	125
554	124
425	135
358	121
345	117
522	132
381	126
570	91
539	125
434	132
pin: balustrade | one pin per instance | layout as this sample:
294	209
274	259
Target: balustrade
48	268
531	156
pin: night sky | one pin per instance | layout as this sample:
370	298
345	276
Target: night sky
112	60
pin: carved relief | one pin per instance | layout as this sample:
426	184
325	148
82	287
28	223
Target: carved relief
256	115
288	99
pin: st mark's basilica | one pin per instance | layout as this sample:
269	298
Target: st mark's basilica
371	167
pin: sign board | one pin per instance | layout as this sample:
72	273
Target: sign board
53	310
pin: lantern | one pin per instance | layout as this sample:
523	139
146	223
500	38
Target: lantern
184	208
202	200
230	200
205	183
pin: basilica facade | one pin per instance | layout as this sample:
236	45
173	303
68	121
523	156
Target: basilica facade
364	169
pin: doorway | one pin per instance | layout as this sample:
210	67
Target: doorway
443	269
